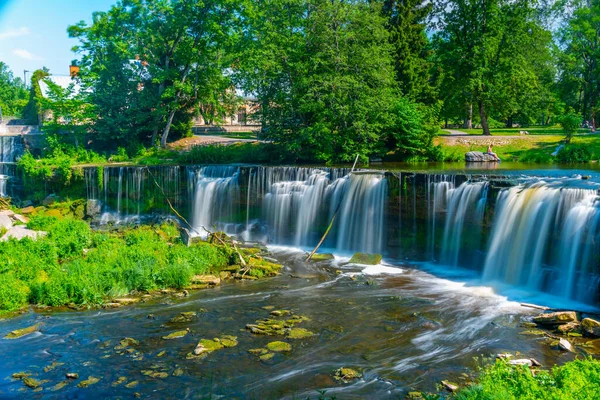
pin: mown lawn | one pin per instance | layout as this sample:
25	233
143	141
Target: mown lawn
533	130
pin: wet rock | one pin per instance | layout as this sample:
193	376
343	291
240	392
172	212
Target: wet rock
365	259
30	382
528	324
119	381
266	357
258	352
449	386
155	374
591	327
279	347
93	208
176	335
72	375
570	327
151	316
206	279
88	382
127	300
59	386
20	375
18	333
178	372
521	361
414	396
478	156
533	332
346	374
207	346
322	257
132	384
565	345
162	353
279	313
555	318
126	342
187	316
299	333
52	366
228	341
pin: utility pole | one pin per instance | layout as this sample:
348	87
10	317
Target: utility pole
25	77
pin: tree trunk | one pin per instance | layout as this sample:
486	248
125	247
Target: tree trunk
509	122
165	134
484	120
469	121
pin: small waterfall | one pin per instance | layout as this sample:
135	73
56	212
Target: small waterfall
437	203
214	198
464	204
361	219
11	149
543	238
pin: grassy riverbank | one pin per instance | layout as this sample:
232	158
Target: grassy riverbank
75	265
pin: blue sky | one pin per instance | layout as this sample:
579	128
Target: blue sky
33	33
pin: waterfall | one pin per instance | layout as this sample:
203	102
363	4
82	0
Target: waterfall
214	198
542	238
361	218
464	204
11	149
437	203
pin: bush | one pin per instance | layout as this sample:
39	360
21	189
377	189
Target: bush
570	122
574	154
579	379
14	293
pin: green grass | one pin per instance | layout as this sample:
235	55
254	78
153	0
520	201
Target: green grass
536	149
74	264
533	130
576	380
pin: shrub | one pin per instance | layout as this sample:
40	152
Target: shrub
570	122
14	293
573	154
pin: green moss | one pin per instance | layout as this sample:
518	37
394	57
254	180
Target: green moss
346	374
258	351
18	333
88	382
176	335
267	357
30	382
299	333
322	257
279	346
228	341
366	259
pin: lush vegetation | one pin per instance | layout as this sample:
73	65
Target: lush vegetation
579	379
13	96
74	264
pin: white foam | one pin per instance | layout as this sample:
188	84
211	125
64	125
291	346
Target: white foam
381	270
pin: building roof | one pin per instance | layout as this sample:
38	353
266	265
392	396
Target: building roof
64	81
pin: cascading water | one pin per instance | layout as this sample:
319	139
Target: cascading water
543	238
11	149
464	204
215	195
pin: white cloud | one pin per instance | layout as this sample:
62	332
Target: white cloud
26	55
22	31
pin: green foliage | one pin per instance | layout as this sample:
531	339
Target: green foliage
570	122
13	96
572	154
74	264
579	379
33	110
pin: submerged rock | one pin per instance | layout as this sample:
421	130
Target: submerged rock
155	374
132	384
299	333
187	316
18	333
119	381
176	335
59	386
591	327
555	318
178	372
52	366
30	382
20	375
279	346
126	342
88	382
258	352
346	374
365	259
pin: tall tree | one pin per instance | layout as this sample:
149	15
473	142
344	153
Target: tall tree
580	61
13	96
486	49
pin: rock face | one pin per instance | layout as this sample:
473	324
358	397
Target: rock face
478	156
591	327
556	318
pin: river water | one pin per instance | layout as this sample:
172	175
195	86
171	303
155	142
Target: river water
461	250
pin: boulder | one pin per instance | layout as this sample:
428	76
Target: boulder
569	327
27	210
365	259
50	199
556	318
565	345
5	222
93	208
26	203
591	327
322	257
21	218
20	231
478	156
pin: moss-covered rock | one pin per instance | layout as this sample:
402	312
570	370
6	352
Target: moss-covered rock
154	374
176	335
187	316
555	318
299	333
258	352
126	342
59	386
18	333
266	357
178	372
279	346
322	257
280	313
53	366
207	346
346	374
20	375
591	327
132	384
365	259
228	341
88	382
30	382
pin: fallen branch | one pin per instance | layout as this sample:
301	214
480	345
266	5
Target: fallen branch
337	209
